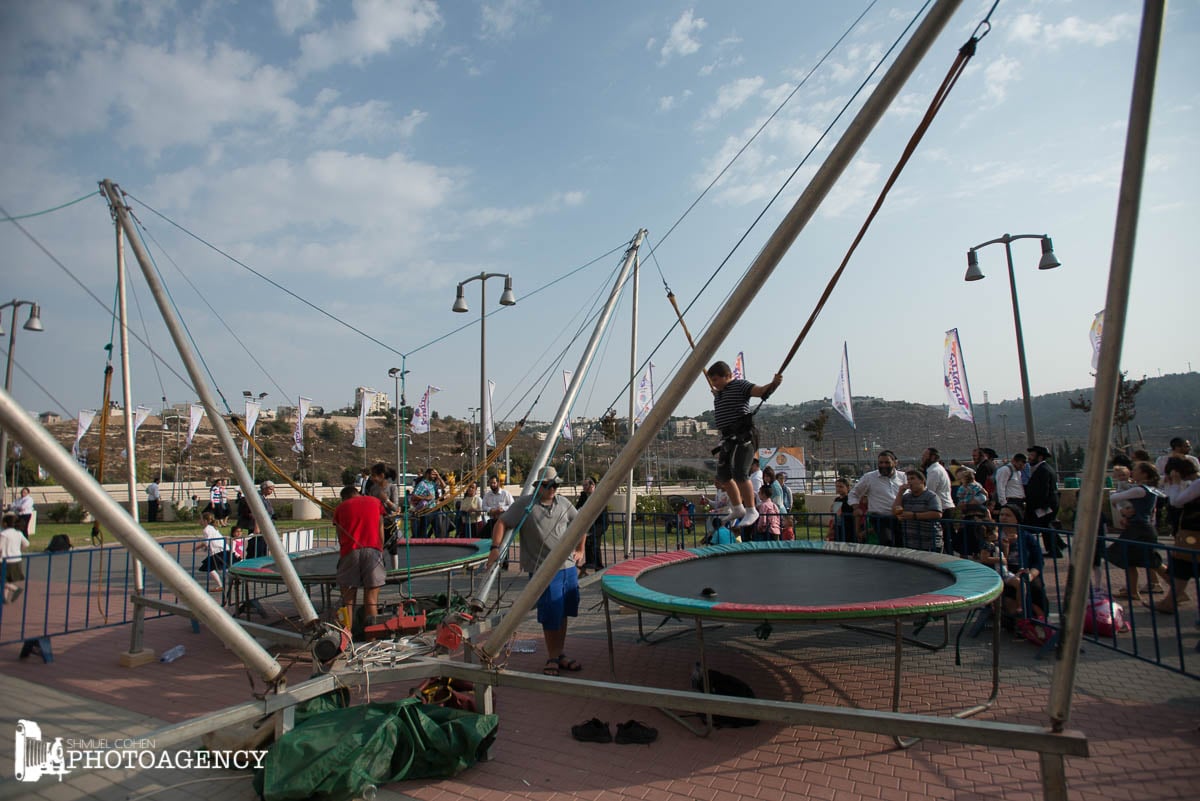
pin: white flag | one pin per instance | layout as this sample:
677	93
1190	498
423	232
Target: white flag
140	414
420	421
644	400
196	414
298	433
1096	334
842	403
958	394
360	428
252	409
86	416
489	427
566	429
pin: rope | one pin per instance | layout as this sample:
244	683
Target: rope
956	69
7	218
237	422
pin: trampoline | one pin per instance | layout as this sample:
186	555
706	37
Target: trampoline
416	558
800	581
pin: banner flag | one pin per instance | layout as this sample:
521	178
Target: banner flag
489	428
195	415
1096	335
140	413
644	401
252	410
420	421
958	393
739	366
86	416
566	429
842	403
298	433
360	428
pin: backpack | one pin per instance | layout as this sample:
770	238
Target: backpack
58	543
724	684
1104	617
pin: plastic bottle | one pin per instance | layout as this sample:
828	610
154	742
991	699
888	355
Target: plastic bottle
171	654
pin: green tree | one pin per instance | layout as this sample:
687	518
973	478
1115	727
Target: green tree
1124	411
816	433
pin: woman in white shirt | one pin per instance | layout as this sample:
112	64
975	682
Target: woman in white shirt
11	542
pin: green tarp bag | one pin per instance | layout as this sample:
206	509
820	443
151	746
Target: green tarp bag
335	755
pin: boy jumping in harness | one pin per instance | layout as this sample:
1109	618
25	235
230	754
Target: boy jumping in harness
731	408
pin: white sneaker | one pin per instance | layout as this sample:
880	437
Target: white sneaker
750	519
733	513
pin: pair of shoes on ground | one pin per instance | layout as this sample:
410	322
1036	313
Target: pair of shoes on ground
561	663
631	732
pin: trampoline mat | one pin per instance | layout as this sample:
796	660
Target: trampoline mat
795	578
416	557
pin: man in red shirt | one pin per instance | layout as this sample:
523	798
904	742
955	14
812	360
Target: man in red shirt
359	523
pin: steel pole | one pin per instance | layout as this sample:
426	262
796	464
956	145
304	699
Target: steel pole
12	345
1027	401
266	526
630	506
756	276
116	520
1108	374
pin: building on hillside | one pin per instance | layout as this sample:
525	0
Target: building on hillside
46	418
380	403
690	428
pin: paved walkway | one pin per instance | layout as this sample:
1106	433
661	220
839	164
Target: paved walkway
1141	720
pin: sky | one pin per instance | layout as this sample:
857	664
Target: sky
313	179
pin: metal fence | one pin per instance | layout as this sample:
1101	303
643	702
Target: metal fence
89	588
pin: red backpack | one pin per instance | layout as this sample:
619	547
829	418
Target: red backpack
1104	617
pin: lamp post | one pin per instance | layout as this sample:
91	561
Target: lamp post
474	462
34	323
507	298
249	396
1048	262
397	374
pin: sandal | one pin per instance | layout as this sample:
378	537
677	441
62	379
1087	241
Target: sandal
566	663
551	668
1127	595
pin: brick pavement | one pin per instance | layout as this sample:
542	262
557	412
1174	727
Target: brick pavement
1141	721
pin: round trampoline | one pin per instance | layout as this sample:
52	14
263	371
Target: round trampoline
801	580
417	558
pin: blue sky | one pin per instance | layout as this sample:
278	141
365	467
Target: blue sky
368	156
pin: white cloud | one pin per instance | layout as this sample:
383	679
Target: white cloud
522	215
998	75
502	18
371	121
666	103
1098	34
1026	28
375	27
732	96
859	182
292	15
681	41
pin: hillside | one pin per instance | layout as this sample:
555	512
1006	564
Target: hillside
1166	407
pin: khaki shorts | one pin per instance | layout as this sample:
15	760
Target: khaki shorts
362	567
14	571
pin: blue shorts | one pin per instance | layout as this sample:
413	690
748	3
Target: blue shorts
560	600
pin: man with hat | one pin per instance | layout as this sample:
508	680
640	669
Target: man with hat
1041	498
542	518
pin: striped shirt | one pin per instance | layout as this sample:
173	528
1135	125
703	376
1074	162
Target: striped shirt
732	403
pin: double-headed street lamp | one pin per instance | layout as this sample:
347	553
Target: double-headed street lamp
398	373
34	323
507	298
1048	262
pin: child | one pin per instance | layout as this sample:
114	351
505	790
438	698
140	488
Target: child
214	543
768	516
841	517
11	542
721	535
731	410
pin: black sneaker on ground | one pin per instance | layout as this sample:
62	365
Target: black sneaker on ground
593	731
633	732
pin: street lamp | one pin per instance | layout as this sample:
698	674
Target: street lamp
1048	262
397	373
507	298
249	396
34	323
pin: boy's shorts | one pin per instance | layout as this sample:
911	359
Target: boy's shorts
362	567
560	600
735	465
